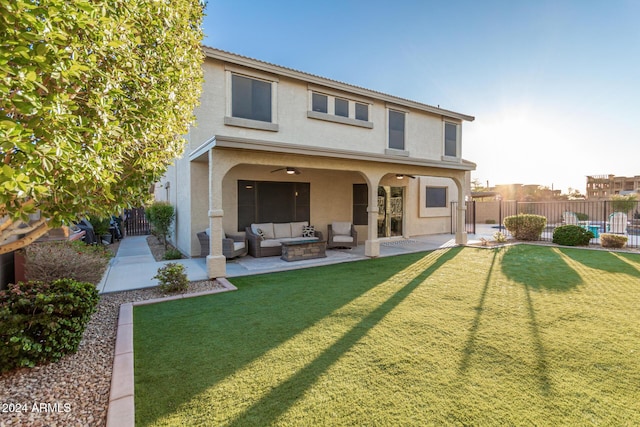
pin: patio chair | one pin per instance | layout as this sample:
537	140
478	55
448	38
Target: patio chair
342	235
232	245
570	218
617	223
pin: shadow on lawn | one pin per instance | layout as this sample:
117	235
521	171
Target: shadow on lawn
266	312
282	397
611	262
539	267
515	265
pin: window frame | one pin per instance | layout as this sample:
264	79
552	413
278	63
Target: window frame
320	103
391	111
355	111
250	123
360	199
433	187
457	127
336	100
332	98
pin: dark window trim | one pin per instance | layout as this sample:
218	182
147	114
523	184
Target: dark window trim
446	196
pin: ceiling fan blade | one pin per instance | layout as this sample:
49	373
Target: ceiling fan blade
289	170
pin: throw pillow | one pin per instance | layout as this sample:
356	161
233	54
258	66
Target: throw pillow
260	233
308	231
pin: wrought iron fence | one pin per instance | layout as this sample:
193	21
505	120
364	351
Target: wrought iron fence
470	217
597	216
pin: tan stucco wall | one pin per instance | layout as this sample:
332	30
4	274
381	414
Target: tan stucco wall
424	132
331	179
487	211
331	193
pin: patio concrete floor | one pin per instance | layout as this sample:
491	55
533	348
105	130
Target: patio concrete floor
133	267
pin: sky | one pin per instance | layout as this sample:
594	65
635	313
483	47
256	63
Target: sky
554	86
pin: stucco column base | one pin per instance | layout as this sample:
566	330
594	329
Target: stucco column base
216	266
461	230
461	238
372	248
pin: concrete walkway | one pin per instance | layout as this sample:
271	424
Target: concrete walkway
133	267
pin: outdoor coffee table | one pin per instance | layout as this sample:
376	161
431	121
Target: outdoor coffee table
298	250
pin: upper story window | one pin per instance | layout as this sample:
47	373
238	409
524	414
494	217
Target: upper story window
342	107
319	103
251	98
451	140
396	129
362	112
332	107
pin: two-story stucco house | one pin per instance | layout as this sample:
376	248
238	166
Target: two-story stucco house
274	144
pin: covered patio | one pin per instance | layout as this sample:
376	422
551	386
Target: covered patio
221	164
249	265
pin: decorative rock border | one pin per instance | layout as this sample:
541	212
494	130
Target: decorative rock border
121	412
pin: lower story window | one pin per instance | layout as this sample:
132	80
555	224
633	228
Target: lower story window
436	197
267	201
360	204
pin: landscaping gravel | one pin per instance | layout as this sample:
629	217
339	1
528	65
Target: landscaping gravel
75	390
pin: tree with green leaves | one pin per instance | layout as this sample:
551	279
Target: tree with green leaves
94	96
161	215
624	203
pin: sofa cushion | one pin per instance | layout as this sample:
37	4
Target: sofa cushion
341	227
282	230
267	229
297	228
342	239
238	245
270	243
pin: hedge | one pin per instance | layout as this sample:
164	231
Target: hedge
525	226
572	235
42	322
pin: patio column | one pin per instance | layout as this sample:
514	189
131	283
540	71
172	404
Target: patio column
372	244
461	229
216	261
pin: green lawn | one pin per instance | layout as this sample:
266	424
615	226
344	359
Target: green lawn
524	335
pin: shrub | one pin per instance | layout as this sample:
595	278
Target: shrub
160	216
172	278
572	235
490	221
499	237
42	322
613	240
100	226
525	226
49	261
172	254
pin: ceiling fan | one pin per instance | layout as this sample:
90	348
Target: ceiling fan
289	170
402	175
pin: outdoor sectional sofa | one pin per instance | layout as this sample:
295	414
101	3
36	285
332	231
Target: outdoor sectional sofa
266	239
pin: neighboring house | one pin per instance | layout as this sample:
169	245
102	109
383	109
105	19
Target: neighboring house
391	166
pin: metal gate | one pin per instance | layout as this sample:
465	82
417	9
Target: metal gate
135	222
470	217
